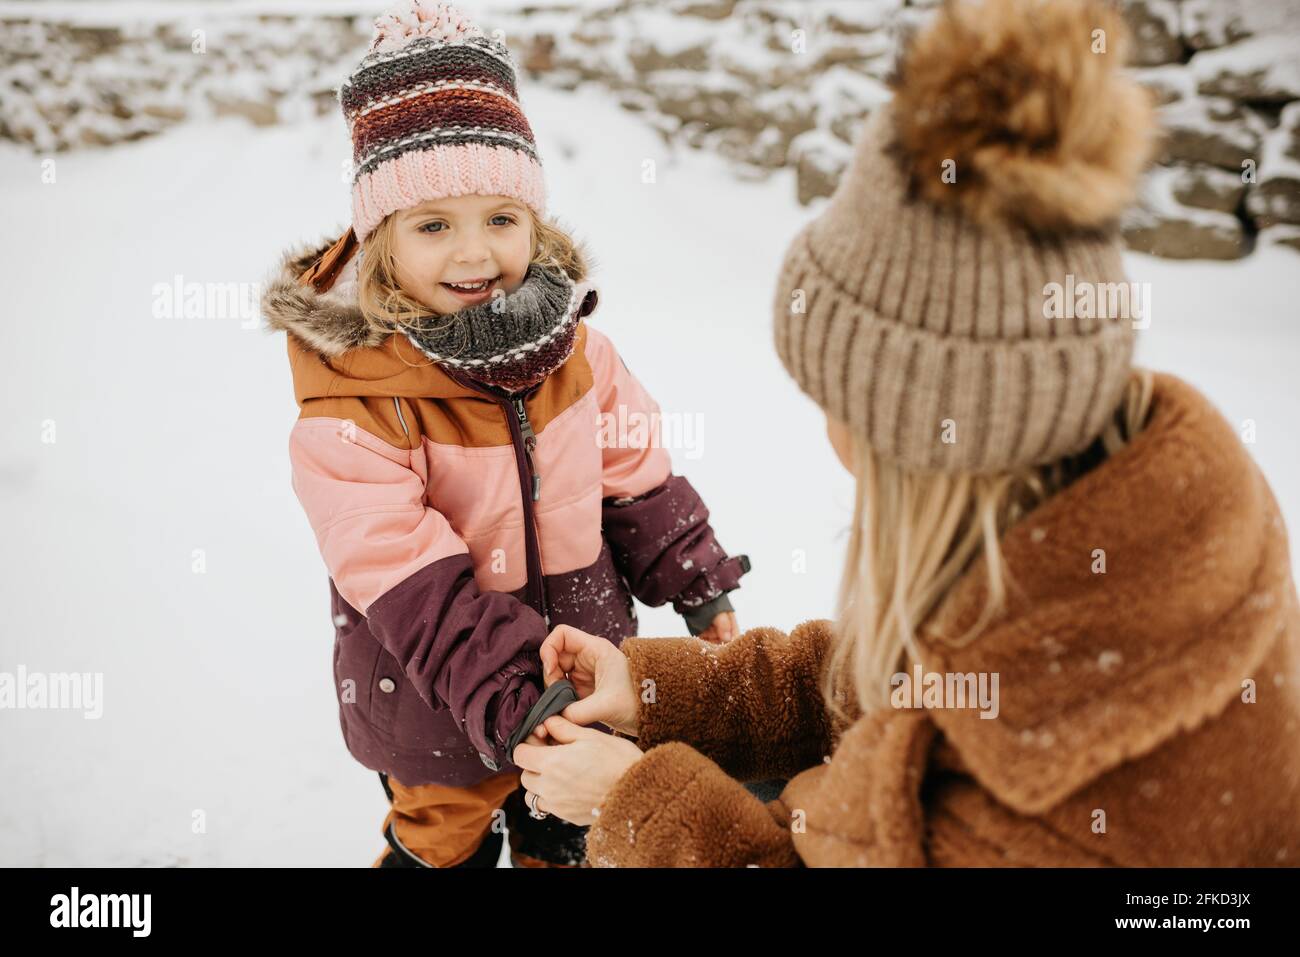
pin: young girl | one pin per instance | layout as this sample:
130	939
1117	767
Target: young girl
1032	511
449	454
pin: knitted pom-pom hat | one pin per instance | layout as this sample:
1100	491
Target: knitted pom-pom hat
434	112
916	308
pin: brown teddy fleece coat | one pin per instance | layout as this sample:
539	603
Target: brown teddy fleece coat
1149	714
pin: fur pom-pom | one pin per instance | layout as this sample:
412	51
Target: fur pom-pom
412	19
1027	106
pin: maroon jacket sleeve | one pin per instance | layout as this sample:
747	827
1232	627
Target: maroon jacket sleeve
664	546
471	651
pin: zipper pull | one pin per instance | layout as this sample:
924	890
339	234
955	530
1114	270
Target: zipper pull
530	443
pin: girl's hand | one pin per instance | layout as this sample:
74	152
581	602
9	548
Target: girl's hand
573	775
723	629
600	673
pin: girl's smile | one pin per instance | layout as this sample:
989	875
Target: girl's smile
473	291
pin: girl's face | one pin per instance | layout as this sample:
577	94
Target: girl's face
457	252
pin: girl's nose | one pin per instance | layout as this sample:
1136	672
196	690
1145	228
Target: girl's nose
472	249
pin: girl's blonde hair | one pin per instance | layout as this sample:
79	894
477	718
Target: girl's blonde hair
913	535
387	308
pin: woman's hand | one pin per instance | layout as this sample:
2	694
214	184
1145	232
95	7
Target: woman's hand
572	776
722	630
600	674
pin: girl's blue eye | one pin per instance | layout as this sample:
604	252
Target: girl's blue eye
425	227
509	220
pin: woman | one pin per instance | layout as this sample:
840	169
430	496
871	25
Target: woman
1083	550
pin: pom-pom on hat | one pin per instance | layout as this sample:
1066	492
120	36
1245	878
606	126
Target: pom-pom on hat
434	111
914	308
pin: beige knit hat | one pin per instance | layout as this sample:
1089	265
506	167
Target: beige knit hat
914	308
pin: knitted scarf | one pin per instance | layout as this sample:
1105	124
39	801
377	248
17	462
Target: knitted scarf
511	341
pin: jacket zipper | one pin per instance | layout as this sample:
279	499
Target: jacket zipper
530	443
530	485
524	442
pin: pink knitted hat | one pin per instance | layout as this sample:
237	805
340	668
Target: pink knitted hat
433	111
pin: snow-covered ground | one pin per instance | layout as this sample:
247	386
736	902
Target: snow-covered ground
157	540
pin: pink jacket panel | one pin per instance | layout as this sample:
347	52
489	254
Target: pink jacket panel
365	502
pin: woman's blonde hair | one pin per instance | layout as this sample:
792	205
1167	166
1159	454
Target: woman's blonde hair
387	308
913	535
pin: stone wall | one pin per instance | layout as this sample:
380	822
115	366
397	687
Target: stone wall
770	84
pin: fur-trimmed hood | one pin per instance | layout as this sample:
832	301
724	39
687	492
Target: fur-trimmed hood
330	322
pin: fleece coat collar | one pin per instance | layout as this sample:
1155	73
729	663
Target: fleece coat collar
1099	666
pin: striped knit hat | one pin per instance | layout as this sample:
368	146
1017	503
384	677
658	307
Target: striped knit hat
434	112
918	307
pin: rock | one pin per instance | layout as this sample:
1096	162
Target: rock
1208	188
1155	28
716	10
774	75
1213	131
846	54
539	54
94	40
764	151
719	108
766	83
94	136
1188	239
1162	226
1275	201
1169	83
785	112
863	16
1264	69
819	161
843	90
170	112
325	102
1276	197
1286	235
1214	23
645	57
257	113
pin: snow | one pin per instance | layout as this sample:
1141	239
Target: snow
1263	67
840	90
170	454
118	11
1214	116
1275	235
1276	161
862	14
1167	12
1219	22
822	147
1173	79
1158	203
